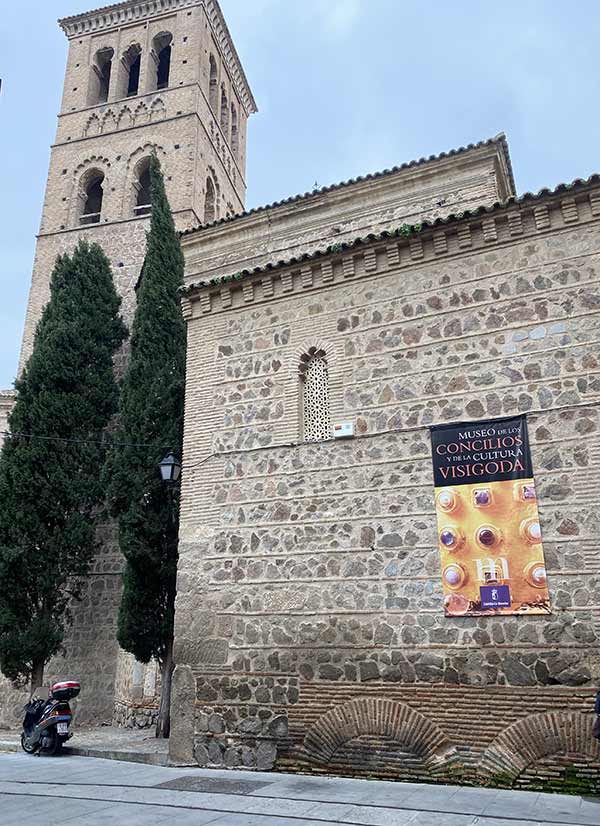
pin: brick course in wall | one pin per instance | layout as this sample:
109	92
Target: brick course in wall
310	625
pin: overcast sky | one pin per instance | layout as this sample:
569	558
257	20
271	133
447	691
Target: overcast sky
344	87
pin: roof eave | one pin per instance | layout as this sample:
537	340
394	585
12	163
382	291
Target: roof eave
403	231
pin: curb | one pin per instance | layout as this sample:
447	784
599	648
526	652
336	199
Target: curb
151	759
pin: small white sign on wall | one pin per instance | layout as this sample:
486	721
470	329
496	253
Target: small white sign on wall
343	430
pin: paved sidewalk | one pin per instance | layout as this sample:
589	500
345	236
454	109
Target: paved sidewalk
91	792
108	742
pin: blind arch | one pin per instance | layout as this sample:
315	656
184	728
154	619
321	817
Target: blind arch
212	84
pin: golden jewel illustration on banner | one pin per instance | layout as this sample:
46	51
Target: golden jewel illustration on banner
489	533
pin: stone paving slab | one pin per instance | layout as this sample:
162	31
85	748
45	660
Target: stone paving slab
91	792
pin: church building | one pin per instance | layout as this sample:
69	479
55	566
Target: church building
316	628
321	619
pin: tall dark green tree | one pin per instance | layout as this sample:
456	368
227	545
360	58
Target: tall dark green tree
151	421
50	489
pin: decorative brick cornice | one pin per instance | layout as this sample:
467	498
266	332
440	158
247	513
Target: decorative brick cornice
132	11
118	14
403	248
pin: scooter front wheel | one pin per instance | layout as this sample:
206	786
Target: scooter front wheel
26	745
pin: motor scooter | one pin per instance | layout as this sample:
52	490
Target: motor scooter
47	722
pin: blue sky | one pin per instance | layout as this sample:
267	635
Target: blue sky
344	87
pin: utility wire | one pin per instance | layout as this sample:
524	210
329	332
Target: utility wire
397	431
108	443
105	442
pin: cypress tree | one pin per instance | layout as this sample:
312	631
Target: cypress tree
151	422
50	489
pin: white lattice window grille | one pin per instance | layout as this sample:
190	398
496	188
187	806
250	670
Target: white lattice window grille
316	419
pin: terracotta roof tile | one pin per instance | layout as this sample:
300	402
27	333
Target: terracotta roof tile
527	197
498	139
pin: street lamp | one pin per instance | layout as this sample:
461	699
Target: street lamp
170	469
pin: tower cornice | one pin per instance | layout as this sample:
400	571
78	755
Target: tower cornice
131	11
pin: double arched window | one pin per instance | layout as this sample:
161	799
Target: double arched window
315	416
91	196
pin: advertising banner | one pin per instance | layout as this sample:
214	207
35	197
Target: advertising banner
489	534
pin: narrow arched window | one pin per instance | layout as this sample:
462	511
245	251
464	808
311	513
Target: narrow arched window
210	202
129	72
212	84
134	76
316	419
224	112
100	79
235	145
162	47
143	201
91	197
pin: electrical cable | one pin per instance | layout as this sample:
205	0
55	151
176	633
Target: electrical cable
105	442
108	443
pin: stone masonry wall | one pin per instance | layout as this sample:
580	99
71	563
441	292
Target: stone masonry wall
90	648
7	400
137	692
310	626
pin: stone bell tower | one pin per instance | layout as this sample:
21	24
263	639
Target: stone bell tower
141	76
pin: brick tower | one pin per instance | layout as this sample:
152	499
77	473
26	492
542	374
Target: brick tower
141	76
158	76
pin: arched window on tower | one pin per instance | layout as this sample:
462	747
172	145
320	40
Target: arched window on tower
134	73
100	78
224	113
162	47
91	195
316	417
212	84
129	72
210	202
235	141
143	200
